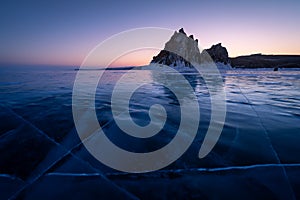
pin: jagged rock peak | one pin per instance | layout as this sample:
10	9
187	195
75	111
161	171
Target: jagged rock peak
182	31
179	44
218	53
191	36
219	45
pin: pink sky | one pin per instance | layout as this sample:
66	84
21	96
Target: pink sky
62	33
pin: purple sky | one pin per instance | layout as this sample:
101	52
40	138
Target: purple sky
62	33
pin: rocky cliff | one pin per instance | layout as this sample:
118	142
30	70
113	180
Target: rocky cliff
179	44
218	53
187	47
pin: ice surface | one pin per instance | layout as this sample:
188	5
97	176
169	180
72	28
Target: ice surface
257	156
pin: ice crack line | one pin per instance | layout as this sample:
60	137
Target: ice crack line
268	138
217	169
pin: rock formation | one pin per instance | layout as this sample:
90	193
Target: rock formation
187	47
179	44
218	53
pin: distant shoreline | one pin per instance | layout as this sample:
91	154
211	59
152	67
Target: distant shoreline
266	61
109	68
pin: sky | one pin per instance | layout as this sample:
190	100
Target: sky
64	32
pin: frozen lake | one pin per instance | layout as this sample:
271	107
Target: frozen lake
257	155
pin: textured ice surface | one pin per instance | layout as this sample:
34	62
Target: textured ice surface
257	156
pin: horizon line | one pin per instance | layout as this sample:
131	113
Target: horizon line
26	64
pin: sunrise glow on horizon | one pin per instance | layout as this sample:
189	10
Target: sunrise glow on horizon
60	33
